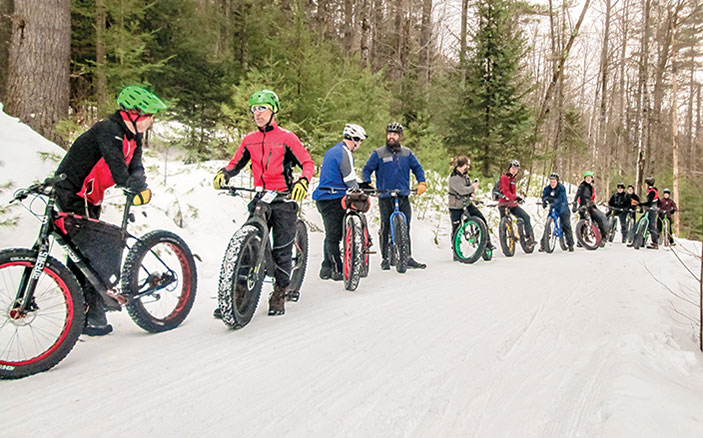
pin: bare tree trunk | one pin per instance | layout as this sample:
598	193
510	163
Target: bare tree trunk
37	86
643	115
689	114
6	7
100	77
365	28
674	123
560	67
604	66
425	44
462	40
348	25
700	306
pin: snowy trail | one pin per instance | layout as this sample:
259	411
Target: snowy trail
509	348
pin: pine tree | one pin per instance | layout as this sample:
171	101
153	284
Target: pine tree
491	121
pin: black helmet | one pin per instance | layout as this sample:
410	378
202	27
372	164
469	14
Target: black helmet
515	163
621	185
395	127
554	175
667	191
649	181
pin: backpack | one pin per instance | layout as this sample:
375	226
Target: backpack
496	194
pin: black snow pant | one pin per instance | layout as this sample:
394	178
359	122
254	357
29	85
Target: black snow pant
622	216
387	206
600	220
522	214
565	221
333	220
282	222
653	232
70	203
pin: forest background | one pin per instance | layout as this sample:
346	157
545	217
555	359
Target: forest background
612	86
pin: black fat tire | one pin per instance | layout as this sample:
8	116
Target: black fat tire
299	261
474	224
72	329
562	243
242	265
365	262
506	238
612	227
527	248
402	244
187	281
353	251
588	235
639	241
549	240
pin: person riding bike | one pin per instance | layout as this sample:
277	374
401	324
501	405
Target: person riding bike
667	207
620	201
461	191
648	205
586	197
108	154
337	172
509	199
273	151
555	195
392	164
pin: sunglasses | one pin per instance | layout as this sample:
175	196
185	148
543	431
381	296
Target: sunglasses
259	108
357	139
137	115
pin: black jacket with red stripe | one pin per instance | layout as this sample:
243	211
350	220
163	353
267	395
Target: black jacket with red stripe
107	154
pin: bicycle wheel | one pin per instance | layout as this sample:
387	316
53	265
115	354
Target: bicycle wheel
549	239
487	254
470	240
402	244
526	247
562	243
641	234
506	237
300	261
353	251
588	235
666	235
241	277
612	227
159	273
38	340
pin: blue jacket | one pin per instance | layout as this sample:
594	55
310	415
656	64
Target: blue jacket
392	169
337	172
557	197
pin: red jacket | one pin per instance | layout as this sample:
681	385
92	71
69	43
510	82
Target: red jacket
508	188
272	153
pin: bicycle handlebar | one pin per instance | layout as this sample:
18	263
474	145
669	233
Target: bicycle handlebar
38	188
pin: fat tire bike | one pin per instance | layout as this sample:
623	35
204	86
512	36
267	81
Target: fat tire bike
399	245
510	232
553	232
248	260
470	239
42	304
613	223
587	232
642	229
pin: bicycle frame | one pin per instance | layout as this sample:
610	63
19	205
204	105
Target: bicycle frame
396	212
557	222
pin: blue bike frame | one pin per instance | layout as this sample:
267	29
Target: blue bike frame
557	222
395	213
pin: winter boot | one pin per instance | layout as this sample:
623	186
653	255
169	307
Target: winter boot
95	318
412	263
571	248
385	264
653	246
217	313
277	301
325	272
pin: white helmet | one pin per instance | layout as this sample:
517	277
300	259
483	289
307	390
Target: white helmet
351	131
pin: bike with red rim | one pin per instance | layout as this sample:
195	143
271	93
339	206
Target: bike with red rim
42	307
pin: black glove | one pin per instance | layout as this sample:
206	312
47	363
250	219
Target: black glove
366	185
544	204
519	200
136	183
574	208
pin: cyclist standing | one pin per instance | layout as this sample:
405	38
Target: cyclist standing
509	199
649	205
667	207
273	151
461	190
337	172
108	154
586	197
620	201
555	194
632	201
392	164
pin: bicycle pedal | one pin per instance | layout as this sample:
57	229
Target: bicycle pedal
370	252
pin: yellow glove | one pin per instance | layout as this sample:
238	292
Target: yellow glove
300	189
142	197
421	188
221	179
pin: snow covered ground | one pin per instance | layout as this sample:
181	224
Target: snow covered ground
562	345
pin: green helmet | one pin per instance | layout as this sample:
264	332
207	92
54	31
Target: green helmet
265	97
588	173
133	97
